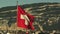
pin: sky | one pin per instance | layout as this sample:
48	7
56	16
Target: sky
4	3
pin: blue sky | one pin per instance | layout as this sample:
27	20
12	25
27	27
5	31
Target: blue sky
4	3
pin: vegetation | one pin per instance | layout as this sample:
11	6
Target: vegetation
46	12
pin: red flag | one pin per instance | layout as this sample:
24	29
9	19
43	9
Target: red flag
24	20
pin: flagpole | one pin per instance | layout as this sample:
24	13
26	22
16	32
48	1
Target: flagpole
17	12
17	5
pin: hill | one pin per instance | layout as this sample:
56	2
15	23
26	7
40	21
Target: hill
46	14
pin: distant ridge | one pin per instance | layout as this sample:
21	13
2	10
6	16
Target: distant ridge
24	6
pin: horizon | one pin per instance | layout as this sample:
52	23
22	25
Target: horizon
23	2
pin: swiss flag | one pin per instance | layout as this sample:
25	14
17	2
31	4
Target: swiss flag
24	20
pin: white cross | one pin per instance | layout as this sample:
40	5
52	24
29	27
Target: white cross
25	18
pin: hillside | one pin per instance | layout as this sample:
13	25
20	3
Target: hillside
46	14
